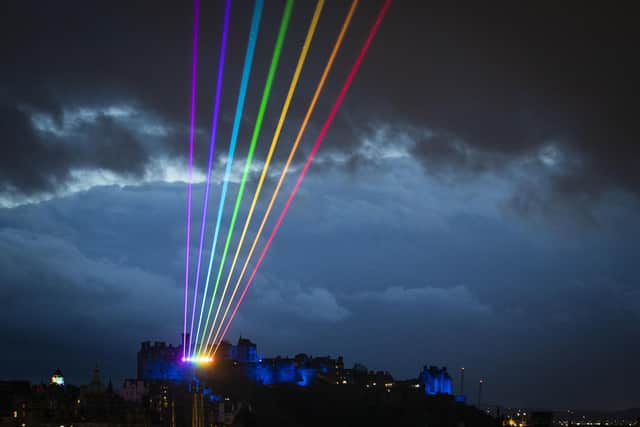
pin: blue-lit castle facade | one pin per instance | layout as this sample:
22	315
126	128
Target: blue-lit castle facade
436	380
241	362
159	361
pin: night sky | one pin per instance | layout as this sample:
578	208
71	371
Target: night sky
474	204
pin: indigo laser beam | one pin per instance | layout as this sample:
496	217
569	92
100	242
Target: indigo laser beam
212	145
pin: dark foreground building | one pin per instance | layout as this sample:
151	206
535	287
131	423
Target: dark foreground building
240	389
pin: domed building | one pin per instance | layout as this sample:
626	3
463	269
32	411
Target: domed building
57	378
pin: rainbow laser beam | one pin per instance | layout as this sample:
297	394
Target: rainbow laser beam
244	82
212	144
194	68
309	160
274	142
292	153
275	59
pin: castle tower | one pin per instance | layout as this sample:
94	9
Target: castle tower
95	386
95	378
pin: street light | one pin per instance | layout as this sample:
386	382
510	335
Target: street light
480	391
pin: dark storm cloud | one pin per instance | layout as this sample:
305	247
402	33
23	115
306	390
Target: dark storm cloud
137	56
118	150
507	78
443	151
503	79
17	171
34	161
